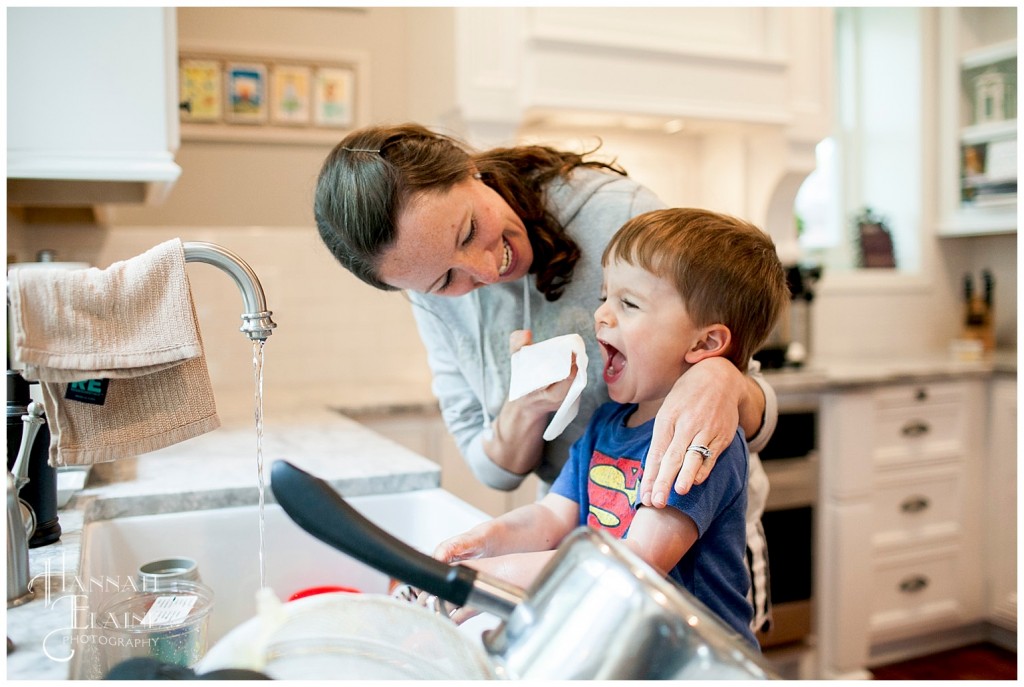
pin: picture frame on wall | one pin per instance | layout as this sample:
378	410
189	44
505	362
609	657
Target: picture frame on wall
251	95
334	97
200	92
290	92
246	92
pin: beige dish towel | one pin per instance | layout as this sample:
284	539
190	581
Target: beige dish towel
130	328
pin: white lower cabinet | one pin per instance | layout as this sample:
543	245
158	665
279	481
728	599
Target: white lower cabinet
900	526
1001	506
916	590
426	434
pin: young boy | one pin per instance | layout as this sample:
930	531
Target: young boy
680	286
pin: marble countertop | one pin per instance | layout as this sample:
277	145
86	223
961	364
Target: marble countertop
833	374
215	470
820	375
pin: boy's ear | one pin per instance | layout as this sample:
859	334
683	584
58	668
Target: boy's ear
714	340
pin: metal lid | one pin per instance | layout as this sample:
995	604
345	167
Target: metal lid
18	396
155	573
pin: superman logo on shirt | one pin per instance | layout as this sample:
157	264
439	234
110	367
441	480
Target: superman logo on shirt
613	486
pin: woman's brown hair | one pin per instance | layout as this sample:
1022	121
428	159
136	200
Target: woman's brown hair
366	180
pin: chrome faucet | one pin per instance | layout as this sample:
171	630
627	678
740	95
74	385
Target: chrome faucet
256	322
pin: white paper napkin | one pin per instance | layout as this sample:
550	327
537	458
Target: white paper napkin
541	364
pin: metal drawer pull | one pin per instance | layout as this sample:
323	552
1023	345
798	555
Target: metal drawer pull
921	395
913	584
914	504
915	429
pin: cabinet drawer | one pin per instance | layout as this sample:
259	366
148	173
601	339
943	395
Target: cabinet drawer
926	432
915	594
918	395
917	506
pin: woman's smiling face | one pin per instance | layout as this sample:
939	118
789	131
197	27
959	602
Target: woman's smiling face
644	331
452	242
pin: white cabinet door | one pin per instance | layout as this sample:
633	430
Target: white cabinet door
91	104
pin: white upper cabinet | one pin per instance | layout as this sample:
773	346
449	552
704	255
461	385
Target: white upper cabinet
740	94
737	64
92	112
977	120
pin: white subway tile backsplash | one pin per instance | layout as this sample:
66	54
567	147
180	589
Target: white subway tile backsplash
334	332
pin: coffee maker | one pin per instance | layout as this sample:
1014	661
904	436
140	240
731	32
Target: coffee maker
39	492
789	343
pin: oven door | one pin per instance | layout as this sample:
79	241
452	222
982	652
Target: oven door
791	462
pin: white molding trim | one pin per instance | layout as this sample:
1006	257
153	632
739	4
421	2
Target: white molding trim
613	39
89	165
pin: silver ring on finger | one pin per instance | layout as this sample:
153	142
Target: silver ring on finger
699	448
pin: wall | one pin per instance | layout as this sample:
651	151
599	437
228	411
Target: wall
335	335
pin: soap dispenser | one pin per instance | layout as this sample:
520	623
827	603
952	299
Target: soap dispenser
40	491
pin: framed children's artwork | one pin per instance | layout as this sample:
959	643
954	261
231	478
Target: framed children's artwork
251	95
290	94
200	90
246	88
334	97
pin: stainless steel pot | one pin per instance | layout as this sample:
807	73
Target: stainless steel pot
596	612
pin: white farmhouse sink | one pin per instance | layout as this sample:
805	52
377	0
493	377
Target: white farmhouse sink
225	544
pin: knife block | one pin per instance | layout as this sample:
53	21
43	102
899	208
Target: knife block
978	323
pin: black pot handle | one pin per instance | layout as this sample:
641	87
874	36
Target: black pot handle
321	511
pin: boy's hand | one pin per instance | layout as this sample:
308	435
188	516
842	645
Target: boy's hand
461	547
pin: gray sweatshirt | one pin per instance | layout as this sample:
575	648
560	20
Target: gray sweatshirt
467	337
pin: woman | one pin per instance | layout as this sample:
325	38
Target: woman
403	207
488	243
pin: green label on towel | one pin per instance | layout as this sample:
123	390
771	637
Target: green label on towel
90	391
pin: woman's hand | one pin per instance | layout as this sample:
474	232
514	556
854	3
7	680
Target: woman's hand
704	408
517	443
547	399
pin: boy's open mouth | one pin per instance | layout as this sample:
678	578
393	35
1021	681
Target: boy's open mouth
615	362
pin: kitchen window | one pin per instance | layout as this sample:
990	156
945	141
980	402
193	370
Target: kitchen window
874	158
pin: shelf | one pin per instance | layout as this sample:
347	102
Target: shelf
989	54
281	135
980	221
990	131
977	160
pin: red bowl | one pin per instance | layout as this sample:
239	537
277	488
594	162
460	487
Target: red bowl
313	591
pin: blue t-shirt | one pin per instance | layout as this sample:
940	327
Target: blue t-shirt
603	476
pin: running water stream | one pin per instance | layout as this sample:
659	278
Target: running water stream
257	364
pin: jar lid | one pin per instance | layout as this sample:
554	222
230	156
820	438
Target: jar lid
175	568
